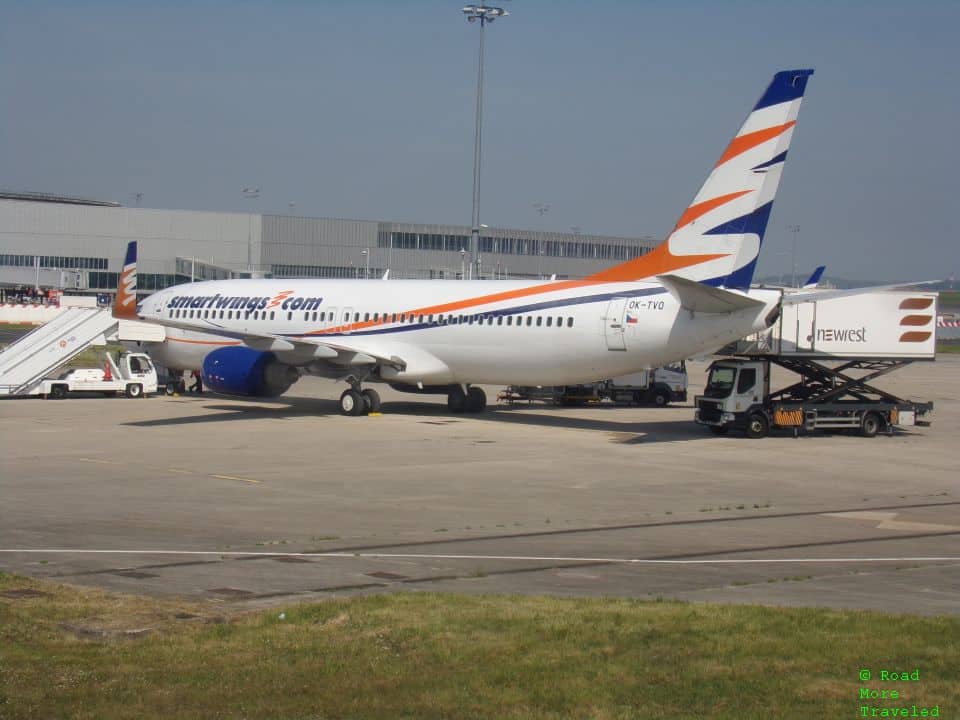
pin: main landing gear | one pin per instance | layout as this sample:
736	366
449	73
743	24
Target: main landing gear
473	401
357	401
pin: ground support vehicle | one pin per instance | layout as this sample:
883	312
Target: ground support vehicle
132	374
738	397
659	387
837	348
648	387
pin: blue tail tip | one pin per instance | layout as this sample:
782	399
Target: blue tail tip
786	85
131	253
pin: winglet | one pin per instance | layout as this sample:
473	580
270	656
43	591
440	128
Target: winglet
125	305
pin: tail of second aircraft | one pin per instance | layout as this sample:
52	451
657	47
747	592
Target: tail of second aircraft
125	305
717	239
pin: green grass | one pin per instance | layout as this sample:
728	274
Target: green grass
948	346
423	655
949	298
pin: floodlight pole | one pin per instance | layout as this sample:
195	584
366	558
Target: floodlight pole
484	14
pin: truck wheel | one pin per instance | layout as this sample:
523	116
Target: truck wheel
661	398
58	392
870	425
719	429
134	390
757	425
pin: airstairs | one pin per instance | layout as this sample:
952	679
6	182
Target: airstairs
32	358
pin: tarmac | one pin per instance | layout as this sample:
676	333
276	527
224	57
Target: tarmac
253	502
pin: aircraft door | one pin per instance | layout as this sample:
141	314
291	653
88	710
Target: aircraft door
613	324
331	318
806	325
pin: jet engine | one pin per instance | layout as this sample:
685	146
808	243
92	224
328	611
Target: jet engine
244	371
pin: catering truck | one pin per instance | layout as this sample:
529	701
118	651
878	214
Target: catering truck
836	347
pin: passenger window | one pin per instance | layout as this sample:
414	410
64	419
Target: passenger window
356	317
747	379
376	317
549	321
394	317
529	320
421	319
539	321
490	320
430	319
306	316
221	314
499	319
289	315
559	322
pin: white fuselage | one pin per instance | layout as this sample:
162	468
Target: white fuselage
511	332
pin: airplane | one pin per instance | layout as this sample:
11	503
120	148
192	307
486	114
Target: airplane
256	337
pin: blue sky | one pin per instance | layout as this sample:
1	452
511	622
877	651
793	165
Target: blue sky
610	112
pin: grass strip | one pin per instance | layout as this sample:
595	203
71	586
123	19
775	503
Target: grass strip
83	653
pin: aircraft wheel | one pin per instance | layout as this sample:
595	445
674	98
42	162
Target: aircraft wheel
757	425
456	400
870	425
352	403
372	400
476	400
134	390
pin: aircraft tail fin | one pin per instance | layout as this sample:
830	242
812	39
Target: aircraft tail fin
717	238
125	304
814	278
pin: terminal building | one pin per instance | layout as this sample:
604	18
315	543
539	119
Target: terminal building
77	245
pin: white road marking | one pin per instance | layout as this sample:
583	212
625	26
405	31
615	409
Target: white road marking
521	558
233	477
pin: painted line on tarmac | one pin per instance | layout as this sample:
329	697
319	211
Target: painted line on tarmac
234	477
520	558
98	462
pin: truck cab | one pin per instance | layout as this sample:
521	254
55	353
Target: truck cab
734	396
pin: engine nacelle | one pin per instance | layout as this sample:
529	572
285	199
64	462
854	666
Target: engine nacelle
244	371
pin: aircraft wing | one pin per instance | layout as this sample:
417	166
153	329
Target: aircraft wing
299	350
697	297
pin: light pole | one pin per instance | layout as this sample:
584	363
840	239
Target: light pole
366	263
795	229
250	193
485	14
463	268
541	209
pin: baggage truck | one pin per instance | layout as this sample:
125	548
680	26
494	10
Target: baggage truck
837	347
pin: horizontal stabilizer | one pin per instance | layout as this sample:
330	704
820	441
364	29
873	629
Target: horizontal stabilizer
812	295
697	297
